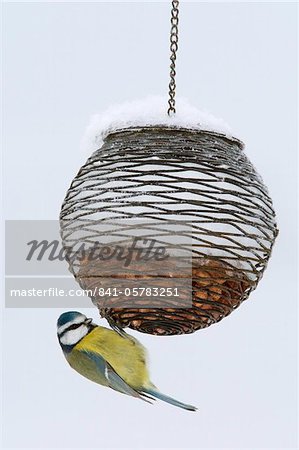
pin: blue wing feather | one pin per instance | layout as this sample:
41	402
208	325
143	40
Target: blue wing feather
114	380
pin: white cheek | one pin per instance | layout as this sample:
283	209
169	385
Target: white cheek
73	336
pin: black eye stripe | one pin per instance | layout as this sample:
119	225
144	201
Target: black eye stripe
71	327
74	326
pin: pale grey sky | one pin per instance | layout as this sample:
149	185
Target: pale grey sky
64	61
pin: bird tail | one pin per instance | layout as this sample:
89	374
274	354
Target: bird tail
166	398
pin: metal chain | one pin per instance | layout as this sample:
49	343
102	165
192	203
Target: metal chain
174	37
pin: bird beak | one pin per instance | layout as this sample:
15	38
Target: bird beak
88	321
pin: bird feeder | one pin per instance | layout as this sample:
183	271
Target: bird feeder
174	170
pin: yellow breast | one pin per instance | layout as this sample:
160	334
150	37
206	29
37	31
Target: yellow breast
126	355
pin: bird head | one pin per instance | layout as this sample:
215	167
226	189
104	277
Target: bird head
72	326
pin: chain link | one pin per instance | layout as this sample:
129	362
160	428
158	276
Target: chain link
174	37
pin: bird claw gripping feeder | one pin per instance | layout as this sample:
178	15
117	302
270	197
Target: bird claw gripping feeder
179	168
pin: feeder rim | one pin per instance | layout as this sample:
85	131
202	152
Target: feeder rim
128	129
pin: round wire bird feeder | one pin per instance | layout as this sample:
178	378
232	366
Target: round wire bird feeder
201	179
165	174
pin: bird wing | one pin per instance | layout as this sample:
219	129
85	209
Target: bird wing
126	355
114	380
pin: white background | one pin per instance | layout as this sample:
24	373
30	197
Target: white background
65	61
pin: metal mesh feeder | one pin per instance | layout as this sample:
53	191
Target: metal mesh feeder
200	178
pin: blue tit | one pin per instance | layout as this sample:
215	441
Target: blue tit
108	358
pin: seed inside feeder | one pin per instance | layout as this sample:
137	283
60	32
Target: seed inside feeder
216	290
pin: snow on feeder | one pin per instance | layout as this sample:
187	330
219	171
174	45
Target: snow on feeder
185	168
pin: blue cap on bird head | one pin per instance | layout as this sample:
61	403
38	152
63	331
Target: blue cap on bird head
70	316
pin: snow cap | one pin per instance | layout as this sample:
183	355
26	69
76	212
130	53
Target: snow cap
149	111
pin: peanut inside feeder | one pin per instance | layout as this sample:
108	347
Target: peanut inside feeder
216	291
